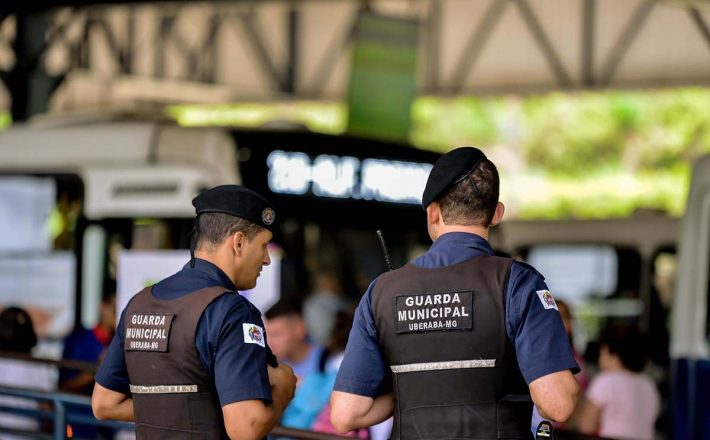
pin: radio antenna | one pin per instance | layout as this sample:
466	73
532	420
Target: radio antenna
384	249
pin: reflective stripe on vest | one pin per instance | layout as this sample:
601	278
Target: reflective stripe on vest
163	389
448	365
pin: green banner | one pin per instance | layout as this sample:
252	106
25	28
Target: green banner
383	77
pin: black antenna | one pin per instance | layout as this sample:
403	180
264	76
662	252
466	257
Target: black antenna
384	249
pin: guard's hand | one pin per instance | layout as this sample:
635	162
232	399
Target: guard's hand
282	378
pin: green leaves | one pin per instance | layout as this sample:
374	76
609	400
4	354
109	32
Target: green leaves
590	154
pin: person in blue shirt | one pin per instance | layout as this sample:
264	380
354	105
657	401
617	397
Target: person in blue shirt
217	383
289	338
291	344
445	341
88	345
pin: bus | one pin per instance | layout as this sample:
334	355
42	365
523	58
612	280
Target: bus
690	334
73	195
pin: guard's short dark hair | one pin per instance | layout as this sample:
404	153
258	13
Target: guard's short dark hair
17	333
473	200
285	306
214	227
628	344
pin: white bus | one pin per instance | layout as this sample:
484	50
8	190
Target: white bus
74	195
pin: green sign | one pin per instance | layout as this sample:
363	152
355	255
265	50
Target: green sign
383	80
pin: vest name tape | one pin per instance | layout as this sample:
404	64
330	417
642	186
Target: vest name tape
434	312
163	389
148	331
447	365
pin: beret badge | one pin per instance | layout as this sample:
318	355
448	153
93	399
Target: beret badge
268	216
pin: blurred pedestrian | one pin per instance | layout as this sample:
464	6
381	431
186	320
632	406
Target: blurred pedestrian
322	305
17	335
621	402
289	339
88	345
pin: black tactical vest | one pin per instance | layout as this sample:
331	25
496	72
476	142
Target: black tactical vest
443	333
173	395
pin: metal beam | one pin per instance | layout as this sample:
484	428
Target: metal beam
161	38
210	58
130	40
433	40
330	58
30	87
291	77
636	22
476	43
588	16
256	39
563	78
700	23
113	45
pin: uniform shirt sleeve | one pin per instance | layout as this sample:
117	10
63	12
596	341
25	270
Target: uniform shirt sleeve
363	370
537	332
113	373
237	361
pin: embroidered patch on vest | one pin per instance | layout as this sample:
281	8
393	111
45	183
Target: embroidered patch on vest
548	302
434	312
253	334
148	331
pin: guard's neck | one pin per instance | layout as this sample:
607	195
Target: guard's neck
219	259
471	229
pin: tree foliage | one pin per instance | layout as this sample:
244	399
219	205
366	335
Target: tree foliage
591	154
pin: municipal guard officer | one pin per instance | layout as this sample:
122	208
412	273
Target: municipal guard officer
456	342
189	359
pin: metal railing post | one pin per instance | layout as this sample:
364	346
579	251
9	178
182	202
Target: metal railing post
60	420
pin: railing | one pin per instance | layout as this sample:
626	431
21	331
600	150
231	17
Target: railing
71	364
60	416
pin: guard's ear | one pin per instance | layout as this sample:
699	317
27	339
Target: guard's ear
238	239
498	214
433	213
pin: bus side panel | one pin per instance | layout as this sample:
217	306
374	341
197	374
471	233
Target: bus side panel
691	399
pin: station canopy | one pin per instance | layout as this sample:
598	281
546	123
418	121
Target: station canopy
203	52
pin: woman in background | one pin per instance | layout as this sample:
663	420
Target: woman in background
621	401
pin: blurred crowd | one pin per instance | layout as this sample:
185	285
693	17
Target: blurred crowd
310	333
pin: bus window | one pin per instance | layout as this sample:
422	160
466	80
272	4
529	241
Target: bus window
600	282
577	272
38	267
664	273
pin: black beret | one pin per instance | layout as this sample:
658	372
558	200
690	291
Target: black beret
450	169
238	201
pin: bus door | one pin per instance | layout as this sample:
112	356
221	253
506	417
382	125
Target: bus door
690	338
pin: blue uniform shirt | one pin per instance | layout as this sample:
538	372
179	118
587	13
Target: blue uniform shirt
238	368
536	332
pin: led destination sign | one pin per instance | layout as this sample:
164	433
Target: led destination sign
347	177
